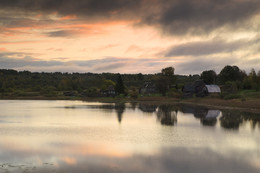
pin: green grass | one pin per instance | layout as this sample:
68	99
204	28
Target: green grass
242	94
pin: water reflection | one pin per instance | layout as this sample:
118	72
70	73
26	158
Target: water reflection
147	108
168	159
229	119
211	118
75	137
167	115
133	105
234	119
207	117
120	108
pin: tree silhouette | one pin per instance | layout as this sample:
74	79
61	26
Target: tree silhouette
120	88
209	77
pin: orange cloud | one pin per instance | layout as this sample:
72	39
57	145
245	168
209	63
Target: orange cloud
38	15
69	17
3	49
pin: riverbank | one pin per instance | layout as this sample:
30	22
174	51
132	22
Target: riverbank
249	105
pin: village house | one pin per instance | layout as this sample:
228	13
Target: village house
148	88
110	91
200	89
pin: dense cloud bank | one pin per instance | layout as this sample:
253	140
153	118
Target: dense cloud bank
175	17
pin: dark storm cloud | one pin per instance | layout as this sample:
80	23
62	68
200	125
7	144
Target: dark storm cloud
10	60
79	7
203	63
202	16
178	17
205	48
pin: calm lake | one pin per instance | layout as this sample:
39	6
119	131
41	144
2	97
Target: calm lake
83	137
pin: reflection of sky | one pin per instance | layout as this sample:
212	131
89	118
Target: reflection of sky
92	140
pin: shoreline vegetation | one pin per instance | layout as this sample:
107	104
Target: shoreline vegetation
239	90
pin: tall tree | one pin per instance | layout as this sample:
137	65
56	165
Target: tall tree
120	88
168	71
209	77
165	80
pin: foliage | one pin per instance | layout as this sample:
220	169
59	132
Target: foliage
24	83
162	84
231	73
209	77
120	88
165	80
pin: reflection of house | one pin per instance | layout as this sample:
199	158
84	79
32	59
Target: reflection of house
211	118
148	88
110	91
200	89
207	117
212	114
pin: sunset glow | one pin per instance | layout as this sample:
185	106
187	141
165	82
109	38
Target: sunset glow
129	36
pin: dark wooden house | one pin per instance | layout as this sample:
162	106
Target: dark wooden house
110	91
148	88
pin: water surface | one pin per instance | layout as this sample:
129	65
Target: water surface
75	136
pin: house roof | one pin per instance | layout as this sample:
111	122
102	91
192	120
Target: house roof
213	88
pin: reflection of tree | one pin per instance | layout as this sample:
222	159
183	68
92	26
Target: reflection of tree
120	109
133	105
147	108
167	115
253	118
197	111
209	121
231	120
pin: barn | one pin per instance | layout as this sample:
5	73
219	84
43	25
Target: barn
212	89
200	89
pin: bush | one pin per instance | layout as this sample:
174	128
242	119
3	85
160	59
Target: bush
174	93
230	87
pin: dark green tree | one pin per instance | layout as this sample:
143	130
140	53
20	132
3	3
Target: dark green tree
120	88
209	77
231	73
165	80
168	71
162	84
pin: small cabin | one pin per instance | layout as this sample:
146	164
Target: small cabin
110	91
148	88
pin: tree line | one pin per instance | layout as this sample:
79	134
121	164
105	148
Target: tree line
26	83
233	78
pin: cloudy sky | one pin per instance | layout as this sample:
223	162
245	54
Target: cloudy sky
129	36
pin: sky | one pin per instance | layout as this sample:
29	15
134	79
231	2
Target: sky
129	36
